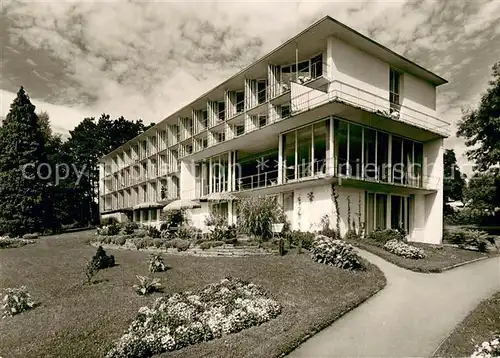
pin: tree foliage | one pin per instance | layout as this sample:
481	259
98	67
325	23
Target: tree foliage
454	180
24	205
481	126
483	191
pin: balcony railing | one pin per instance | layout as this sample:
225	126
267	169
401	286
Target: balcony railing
357	97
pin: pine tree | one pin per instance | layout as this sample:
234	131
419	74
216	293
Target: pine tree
23	204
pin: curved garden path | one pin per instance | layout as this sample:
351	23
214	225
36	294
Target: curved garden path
410	316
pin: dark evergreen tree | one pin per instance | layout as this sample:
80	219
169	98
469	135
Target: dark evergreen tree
23	173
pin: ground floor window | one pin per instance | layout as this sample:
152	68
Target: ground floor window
220	209
154	215
146	215
384	211
137	215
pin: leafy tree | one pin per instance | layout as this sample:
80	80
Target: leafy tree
481	127
483	191
24	205
92	139
454	180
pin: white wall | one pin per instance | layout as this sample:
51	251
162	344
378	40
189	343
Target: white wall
418	94
322	204
359	69
187	181
434	166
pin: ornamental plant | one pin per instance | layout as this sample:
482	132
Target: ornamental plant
404	250
182	319
335	252
156	264
488	349
147	285
16	300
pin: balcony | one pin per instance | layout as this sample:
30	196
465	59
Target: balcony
305	99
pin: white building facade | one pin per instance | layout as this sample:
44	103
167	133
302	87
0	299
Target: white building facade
329	106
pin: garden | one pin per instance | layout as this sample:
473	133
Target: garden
63	297
478	335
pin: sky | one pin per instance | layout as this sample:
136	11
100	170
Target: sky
148	59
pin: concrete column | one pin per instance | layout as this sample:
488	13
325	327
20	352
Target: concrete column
331	145
280	159
230	170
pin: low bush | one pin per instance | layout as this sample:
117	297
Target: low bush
153	232
352	235
180	245
90	269
488	349
257	215
147	285
16	300
10	243
335	252
404	250
120	240
130	227
140	233
179	320
109	230
30	236
156	263
226	233
209	244
102	260
188	233
301	239
467	238
158	243
109	221
381	237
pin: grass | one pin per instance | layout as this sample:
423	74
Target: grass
438	257
477	327
75	320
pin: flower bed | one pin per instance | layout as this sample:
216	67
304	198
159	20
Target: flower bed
404	250
189	318
335	252
488	349
8	242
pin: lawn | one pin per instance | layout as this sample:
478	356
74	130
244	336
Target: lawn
477	327
75	320
438	257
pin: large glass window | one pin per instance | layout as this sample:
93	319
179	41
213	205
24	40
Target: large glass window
370	163
317	66
418	163
370	212
383	156
289	155
320	146
355	149
304	148
394	89
396	160
381	211
407	161
261	91
341	135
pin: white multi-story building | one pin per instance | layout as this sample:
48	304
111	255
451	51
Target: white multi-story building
328	106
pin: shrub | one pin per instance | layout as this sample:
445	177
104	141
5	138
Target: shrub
16	300
130	227
9	243
404	250
109	221
301	239
381	237
102	260
172	218
326	230
188	233
209	244
352	235
141	233
281	247
30	236
153	232
109	230
257	214
488	349
156	264
468	238
158	243
180	245
226	233
182	319
90	270
120	240
147	285
334	252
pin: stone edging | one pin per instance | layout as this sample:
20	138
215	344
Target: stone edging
321	327
465	263
213	252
